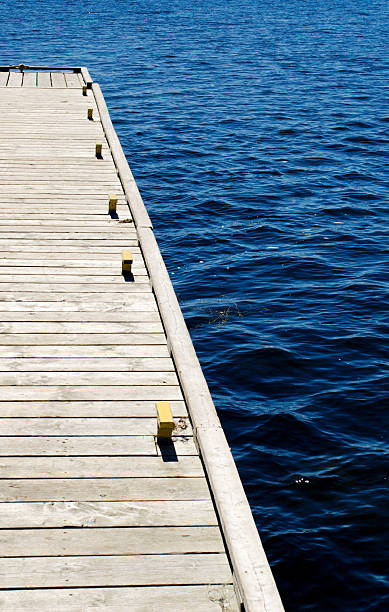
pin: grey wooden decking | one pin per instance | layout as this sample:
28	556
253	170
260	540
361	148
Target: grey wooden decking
94	514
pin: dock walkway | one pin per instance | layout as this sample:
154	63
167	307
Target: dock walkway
95	514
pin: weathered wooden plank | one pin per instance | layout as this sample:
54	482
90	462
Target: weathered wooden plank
108	227
87	408
86	247
58	80
156	393
43	173
58	204
34	245
98	317
67	189
71	175
93	379
104	489
86	77
92	446
96	467
110	541
97	214
68	288
102	364
81	339
15	79
105	224
204	598
84	327
72	80
93	197
134	570
30	79
65	446
19	302
114	426
43	79
85	352
72	190
65	163
114	281
114	233
42	153
58	208
101	271
65	142
82	256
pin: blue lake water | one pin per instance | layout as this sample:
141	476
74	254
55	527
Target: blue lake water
258	135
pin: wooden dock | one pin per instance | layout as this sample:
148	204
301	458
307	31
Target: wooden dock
96	514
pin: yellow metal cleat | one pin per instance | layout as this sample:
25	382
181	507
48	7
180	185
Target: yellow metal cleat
164	420
126	262
99	150
84	90
112	203
90	113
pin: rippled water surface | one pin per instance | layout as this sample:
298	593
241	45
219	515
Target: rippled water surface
258	135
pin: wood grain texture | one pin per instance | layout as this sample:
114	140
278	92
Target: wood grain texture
141	338
103	489
81	393
35	572
56	302
58	79
25	515
15	79
30	79
43	80
68	364
205	598
109	541
92	446
72	80
84	351
98	467
34	315
87	408
85	426
82	327
94	379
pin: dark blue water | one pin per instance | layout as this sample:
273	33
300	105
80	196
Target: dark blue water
258	135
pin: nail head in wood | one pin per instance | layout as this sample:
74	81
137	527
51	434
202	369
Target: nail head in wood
165	423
